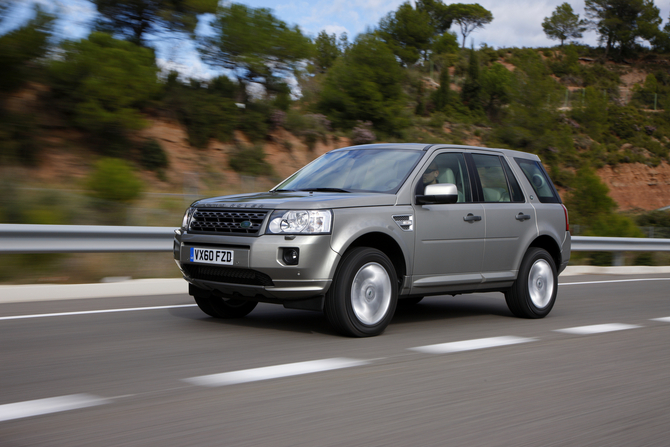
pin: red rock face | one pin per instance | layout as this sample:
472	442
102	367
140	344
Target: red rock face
635	186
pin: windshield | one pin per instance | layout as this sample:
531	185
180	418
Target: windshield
355	170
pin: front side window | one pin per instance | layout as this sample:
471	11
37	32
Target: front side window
447	167
539	180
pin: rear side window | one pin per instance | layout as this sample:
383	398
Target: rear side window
539	180
498	182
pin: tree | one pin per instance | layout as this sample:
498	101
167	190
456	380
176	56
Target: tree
622	22
101	83
495	81
365	85
472	87
469	17
563	24
440	16
408	32
443	93
446	43
326	51
134	19
662	40
20	47
254	45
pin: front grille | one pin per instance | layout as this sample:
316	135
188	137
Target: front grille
227	221
228	275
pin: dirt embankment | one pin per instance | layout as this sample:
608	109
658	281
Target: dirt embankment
633	186
636	186
63	160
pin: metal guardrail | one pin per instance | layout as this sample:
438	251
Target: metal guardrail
83	239
101	239
618	244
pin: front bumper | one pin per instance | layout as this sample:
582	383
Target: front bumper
258	272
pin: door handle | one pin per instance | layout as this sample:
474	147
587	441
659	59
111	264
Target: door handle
521	217
472	218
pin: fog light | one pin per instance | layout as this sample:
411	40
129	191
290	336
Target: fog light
291	256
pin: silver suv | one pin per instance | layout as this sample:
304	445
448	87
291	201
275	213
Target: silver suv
363	227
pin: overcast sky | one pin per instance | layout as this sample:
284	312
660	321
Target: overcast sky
516	23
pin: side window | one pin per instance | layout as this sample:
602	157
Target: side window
492	177
539	180
447	167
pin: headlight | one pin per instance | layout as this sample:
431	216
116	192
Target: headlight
187	218
300	222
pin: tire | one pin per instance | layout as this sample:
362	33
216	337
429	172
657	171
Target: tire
205	306
224	308
534	292
364	293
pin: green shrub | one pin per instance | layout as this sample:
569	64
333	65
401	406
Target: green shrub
254	120
625	122
152	155
311	127
113	180
17	139
250	161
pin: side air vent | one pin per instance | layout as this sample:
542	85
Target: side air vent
405	222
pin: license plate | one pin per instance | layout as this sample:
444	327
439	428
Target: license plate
211	256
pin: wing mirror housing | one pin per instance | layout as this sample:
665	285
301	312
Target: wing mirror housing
438	193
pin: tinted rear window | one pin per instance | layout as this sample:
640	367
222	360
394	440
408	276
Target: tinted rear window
539	180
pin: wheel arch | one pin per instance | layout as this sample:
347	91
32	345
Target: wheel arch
549	244
387	245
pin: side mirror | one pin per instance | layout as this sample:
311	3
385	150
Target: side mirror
438	193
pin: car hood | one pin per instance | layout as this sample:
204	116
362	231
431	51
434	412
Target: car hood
297	200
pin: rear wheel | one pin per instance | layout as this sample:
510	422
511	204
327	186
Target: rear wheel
364	293
534	292
218	307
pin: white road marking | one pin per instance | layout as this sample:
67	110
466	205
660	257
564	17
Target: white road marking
612	281
274	372
664	319
597	328
87	312
469	345
50	405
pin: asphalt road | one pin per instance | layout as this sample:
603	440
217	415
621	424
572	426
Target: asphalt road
156	371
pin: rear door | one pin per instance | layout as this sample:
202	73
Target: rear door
510	218
450	238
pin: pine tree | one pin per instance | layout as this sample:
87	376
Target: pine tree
472	88
444	92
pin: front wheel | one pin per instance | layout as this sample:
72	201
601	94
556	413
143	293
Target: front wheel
364	293
534	291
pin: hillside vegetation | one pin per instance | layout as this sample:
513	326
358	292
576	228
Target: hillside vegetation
98	117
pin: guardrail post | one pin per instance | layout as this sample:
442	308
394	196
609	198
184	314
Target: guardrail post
618	258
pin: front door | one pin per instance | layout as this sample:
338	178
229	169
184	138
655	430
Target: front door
450	238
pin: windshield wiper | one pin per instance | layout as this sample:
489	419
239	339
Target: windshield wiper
325	190
282	190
